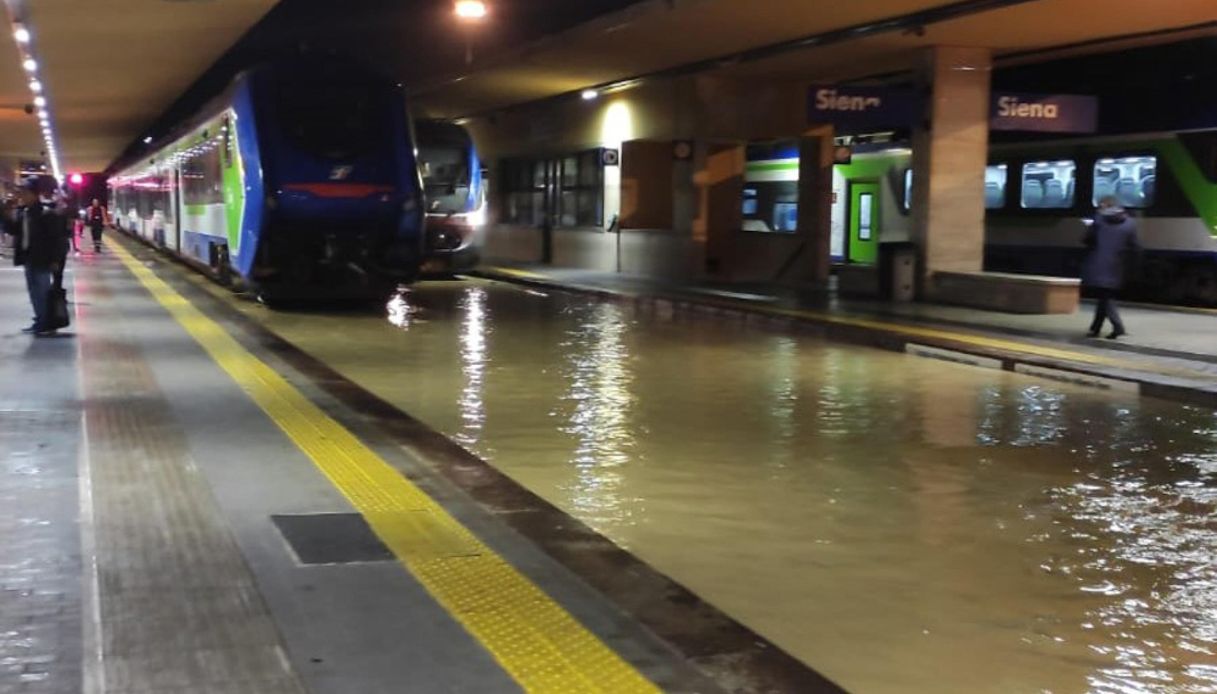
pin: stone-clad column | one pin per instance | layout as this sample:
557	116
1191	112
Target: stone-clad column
950	150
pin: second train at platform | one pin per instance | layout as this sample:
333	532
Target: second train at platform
1038	197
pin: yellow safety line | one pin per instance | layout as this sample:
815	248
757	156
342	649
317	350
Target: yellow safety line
924	333
535	640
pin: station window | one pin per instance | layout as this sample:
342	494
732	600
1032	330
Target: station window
569	190
1129	179
1049	185
523	186
582	198
995	186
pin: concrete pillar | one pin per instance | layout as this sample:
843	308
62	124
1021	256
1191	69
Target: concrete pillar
950	150
721	182
815	203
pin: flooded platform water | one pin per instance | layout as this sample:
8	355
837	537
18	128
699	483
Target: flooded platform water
900	524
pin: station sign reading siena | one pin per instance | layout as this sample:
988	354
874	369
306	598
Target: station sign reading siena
1052	113
858	108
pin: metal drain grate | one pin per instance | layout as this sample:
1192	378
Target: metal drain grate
331	538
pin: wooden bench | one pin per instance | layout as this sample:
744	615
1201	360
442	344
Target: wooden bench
1001	291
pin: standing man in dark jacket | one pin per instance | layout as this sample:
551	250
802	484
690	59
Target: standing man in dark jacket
40	247
1111	239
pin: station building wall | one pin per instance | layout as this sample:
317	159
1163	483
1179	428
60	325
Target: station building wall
675	197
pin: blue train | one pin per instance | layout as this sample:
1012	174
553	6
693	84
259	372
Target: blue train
298	181
455	185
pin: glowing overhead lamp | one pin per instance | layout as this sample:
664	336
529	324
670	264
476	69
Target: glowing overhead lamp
39	101
471	10
36	86
29	64
590	94
21	34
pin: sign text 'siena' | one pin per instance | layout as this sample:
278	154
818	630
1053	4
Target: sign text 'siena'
829	100
1010	106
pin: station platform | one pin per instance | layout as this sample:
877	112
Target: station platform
1169	353
189	506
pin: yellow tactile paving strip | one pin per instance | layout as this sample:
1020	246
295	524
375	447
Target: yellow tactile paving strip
915	332
534	639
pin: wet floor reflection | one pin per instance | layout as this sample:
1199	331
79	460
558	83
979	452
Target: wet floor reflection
595	411
474	335
901	524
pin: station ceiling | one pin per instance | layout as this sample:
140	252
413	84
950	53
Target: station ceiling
109	68
661	35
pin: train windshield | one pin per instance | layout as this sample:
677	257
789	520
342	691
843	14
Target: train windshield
444	155
333	118
445	172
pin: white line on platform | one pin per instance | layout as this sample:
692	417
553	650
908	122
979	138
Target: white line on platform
951	356
93	673
1113	384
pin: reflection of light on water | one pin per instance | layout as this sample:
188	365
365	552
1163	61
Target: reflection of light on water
402	313
600	388
1147	565
473	366
784	394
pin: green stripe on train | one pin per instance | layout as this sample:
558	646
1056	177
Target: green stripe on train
1200	191
234	187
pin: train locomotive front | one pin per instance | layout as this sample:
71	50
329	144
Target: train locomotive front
298	181
342	197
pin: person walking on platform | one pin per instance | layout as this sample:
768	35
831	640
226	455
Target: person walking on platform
1111	239
41	247
97	217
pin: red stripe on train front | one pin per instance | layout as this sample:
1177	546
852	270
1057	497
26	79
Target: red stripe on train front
339	190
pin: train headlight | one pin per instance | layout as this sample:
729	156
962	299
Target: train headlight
477	218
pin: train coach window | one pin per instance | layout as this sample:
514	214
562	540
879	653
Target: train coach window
908	190
1131	180
1049	185
995	186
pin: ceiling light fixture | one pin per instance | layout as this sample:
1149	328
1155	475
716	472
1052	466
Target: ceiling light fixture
471	9
23	37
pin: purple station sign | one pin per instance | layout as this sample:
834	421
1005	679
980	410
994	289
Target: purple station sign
1053	113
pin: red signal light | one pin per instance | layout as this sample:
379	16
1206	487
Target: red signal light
76	179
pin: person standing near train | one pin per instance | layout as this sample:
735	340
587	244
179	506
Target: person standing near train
97	216
41	247
1111	240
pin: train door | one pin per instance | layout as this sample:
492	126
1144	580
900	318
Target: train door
864	222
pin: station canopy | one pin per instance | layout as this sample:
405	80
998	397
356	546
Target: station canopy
108	69
869	37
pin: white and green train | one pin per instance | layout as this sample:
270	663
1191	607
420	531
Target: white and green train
1036	196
